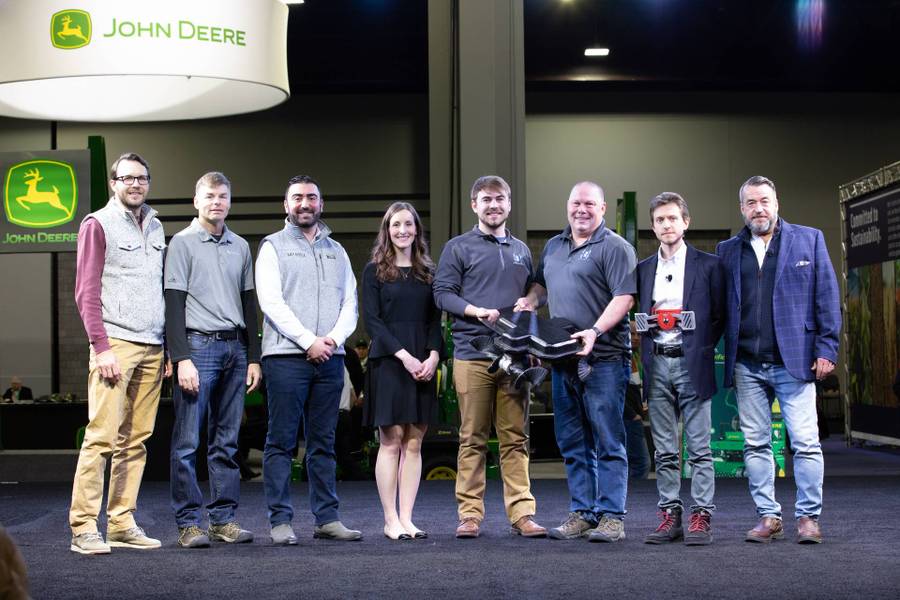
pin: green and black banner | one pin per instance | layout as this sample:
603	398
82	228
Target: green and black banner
46	194
871	214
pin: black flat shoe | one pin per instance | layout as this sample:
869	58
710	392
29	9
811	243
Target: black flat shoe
421	535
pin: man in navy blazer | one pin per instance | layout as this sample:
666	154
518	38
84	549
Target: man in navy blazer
679	376
782	325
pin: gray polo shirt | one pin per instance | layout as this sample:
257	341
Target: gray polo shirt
213	273
581	281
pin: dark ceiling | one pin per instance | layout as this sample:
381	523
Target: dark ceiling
358	46
760	45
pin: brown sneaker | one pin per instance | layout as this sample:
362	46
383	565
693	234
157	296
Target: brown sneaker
526	527
609	529
469	527
768	529
808	531
573	527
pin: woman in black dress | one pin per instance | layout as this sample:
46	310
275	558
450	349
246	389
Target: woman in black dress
404	324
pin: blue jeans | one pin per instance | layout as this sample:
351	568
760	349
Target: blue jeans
670	395
636	449
222	369
756	385
299	390
591	437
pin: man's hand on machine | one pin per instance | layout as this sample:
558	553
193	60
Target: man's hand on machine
524	304
487	314
587	337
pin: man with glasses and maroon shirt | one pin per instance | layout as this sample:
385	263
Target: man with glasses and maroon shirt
119	293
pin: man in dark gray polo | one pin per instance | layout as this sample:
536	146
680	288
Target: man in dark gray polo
479	272
589	273
212	336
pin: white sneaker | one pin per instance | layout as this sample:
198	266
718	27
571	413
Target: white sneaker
283	535
89	543
132	538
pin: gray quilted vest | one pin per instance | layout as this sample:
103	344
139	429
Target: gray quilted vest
132	283
312	283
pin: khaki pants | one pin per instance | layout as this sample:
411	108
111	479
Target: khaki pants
121	418
485	398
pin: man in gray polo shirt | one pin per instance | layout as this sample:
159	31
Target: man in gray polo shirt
212	337
589	273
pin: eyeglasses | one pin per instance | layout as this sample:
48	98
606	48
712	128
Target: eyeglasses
130	179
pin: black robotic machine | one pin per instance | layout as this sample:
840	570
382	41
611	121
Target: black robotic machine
521	336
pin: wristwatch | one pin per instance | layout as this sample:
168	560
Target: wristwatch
597	330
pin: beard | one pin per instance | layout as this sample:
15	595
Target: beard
295	219
762	228
127	202
493	220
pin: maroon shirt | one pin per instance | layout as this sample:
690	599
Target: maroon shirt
89	261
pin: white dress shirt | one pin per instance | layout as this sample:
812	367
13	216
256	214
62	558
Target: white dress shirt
759	246
668	289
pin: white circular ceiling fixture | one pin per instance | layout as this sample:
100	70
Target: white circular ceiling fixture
130	60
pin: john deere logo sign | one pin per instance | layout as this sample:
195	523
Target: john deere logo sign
40	193
70	29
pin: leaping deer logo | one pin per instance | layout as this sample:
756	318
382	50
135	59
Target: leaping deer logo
34	196
69	31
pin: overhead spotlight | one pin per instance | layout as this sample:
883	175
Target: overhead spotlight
596	51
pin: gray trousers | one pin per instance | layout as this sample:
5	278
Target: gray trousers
671	396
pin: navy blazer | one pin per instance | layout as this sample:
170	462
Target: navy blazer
805	305
704	293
